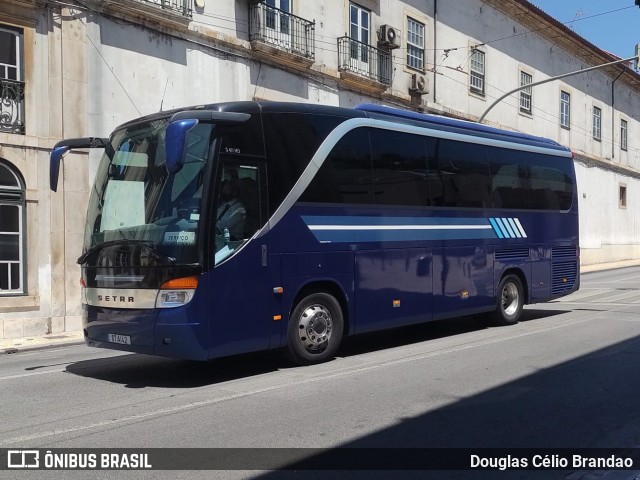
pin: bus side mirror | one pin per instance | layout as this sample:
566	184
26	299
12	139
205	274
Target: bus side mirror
176	143
62	147
54	166
181	123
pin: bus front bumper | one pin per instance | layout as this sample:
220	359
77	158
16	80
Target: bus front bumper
153	332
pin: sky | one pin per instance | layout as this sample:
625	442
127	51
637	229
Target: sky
612	25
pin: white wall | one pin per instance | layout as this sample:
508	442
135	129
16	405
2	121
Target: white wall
607	231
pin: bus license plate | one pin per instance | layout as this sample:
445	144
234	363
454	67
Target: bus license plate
121	339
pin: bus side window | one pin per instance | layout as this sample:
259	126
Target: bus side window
248	194
434	178
292	140
465	174
399	168
345	175
509	179
545	185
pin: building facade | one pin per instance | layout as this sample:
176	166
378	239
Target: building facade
80	68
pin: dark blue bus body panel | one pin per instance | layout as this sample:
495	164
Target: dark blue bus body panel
139	325
177	332
393	288
230	313
240	303
397	277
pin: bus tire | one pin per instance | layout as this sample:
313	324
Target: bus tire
315	329
510	300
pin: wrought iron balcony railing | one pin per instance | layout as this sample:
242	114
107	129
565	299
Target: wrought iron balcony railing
282	29
364	60
181	7
11	106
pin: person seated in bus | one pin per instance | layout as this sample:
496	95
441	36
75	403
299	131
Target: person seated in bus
231	213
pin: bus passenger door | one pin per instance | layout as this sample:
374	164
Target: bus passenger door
240	300
393	287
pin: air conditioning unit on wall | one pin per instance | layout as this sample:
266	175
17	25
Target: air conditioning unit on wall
419	84
389	36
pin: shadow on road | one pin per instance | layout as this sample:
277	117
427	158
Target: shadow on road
140	371
586	403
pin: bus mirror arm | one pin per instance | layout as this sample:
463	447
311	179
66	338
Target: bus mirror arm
63	147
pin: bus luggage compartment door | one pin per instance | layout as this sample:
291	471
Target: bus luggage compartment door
393	287
463	281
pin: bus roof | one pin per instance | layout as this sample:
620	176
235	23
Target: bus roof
470	128
372	111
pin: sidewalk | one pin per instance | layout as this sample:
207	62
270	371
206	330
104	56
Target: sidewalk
14	345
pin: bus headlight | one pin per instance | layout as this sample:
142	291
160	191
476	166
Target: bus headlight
173	298
176	292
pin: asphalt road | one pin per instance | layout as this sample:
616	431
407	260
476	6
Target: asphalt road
568	375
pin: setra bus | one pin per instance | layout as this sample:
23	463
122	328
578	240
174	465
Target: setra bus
346	221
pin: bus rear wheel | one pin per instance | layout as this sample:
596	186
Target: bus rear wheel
510	301
315	329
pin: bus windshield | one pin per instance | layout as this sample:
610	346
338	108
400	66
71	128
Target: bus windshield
135	200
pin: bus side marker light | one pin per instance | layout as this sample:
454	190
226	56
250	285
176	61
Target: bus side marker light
277	318
278	290
464	294
180	283
396	304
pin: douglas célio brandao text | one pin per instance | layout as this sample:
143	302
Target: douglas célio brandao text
509	462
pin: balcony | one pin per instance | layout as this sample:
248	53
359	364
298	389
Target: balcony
11	106
281	36
181	7
168	14
363	66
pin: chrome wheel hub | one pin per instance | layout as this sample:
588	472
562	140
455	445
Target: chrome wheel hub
314	327
510	299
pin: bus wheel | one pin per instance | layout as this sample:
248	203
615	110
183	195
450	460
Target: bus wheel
510	301
315	329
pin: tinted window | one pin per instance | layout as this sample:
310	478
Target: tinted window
551	184
292	140
530	181
242	139
400	174
509	175
463	171
345	175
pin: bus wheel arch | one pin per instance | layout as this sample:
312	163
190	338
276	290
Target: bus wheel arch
317	323
511	296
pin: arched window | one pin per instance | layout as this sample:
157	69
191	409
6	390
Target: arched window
12	215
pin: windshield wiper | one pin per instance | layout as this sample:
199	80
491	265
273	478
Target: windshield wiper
124	241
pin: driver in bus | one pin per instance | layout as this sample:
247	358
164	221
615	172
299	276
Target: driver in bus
231	213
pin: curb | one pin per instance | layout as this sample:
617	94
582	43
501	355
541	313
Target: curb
10	350
600	267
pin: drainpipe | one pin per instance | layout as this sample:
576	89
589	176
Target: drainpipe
613	119
435	47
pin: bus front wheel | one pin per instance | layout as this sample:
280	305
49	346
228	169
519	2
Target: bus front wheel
510	301
315	329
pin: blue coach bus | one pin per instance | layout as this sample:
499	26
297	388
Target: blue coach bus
348	221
